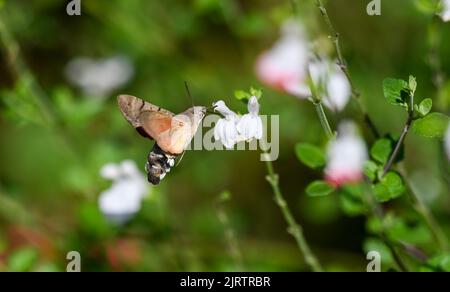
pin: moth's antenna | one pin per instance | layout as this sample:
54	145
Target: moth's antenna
189	92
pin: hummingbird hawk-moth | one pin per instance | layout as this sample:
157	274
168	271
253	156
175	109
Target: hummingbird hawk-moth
172	133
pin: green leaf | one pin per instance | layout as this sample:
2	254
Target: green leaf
351	200
394	183
374	244
255	92
310	155
22	260
390	187
381	150
433	125
319	188
439	263
425	106
224	196
371	169
396	91
427	6
410	232
47	267
241	95
351	206
381	193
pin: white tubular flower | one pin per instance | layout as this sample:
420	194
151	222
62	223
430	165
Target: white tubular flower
332	83
447	142
339	91
123	199
99	78
250	125
283	67
346	156
445	13
225	129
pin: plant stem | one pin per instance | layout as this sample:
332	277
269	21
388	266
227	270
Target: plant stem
398	145
323	120
294	228
377	211
434	41
230	237
432	223
317	101
21	72
334	36
419	205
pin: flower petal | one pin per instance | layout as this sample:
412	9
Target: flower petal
339	91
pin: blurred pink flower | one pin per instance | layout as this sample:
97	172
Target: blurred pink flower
285	67
346	156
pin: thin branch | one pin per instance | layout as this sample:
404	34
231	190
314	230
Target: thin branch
427	215
294	228
378	212
334	36
317	101
398	145
419	205
230	237
323	120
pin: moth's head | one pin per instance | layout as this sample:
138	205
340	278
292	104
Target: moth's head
197	113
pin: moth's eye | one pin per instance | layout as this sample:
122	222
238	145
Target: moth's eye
180	124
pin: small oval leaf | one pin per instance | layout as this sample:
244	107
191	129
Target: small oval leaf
381	150
394	91
319	188
432	126
310	155
425	106
390	187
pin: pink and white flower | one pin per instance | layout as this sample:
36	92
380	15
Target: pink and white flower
346	156
283	67
287	65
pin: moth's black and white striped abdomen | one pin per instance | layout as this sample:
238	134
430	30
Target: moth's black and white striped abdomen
158	164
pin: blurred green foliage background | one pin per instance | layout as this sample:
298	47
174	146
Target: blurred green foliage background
54	141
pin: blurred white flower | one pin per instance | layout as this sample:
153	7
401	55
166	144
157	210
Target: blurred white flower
445	13
123	199
331	82
346	156
284	66
250	125
234	128
447	141
99	78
